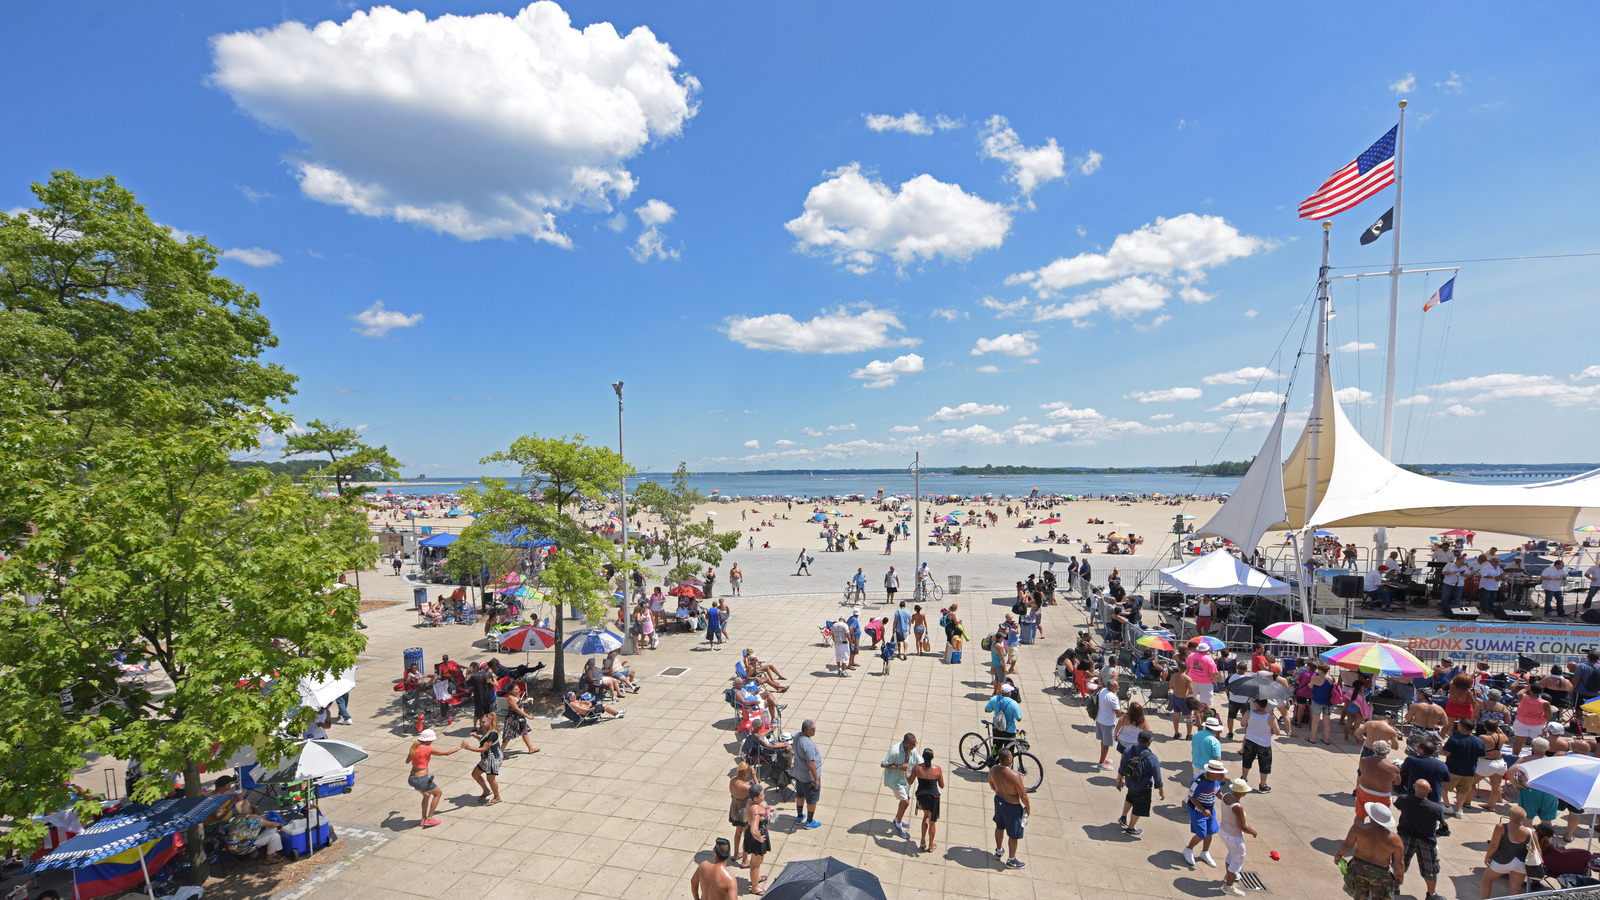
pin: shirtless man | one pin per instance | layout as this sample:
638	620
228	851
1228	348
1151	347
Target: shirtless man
1011	807
1374	730
712	880
1376	779
1377	863
1179	697
1427	717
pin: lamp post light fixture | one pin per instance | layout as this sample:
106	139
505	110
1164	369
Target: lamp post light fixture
622	497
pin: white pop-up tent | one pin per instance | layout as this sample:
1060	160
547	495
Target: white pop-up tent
1220	572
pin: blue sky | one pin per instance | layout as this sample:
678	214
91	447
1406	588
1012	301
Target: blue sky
465	228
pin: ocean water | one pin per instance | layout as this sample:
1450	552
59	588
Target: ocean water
824	484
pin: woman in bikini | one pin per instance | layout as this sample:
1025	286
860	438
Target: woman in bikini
421	753
757	842
739	792
919	627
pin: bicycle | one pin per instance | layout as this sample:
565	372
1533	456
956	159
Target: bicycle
928	591
978	752
853	594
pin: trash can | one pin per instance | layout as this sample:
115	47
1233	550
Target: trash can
955	583
1030	629
419	597
413	657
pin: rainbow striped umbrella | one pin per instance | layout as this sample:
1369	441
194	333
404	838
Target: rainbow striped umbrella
1151	640
1300	633
1388	659
1206	642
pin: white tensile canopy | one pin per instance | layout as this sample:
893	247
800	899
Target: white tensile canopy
1356	486
1220	572
1257	504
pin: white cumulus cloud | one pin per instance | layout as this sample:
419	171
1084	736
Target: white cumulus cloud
1591	372
881	374
1413	400
651	243
811	432
905	429
253	256
1456	409
1404	85
947	313
783	442
849	427
1140	263
910	123
988	370
1357	347
754	445
952	413
480	126
1019	344
1507	386
375	321
1351	395
1247	375
1027	167
834	332
1253	398
1090	164
858	219
1161	417
1167	396
1003	308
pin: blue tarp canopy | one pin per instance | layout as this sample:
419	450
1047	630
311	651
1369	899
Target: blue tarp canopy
819	517
438	540
124	831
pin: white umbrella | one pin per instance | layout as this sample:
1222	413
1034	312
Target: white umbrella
318	693
1575	779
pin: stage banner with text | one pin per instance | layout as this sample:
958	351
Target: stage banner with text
1490	641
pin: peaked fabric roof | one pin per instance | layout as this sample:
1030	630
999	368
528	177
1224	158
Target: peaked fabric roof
117	833
1356	486
1257	503
1220	572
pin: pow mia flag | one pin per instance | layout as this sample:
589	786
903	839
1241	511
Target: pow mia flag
1376	230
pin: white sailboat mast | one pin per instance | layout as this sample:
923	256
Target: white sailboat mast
1314	428
1394	311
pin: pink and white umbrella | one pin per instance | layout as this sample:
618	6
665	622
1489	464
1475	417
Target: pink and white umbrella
1301	633
527	637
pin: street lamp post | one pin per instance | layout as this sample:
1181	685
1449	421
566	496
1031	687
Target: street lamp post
627	584
916	524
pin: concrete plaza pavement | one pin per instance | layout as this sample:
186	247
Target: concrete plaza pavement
628	808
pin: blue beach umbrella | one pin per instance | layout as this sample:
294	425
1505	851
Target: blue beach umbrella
592	642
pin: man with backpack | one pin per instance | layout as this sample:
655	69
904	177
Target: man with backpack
1140	771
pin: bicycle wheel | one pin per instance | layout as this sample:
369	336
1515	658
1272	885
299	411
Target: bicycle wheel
974	751
1028	766
938	593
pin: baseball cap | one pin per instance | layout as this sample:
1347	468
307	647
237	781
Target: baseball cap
427	736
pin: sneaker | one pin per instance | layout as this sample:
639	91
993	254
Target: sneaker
1104	766
621	712
813	823
1188	856
1233	889
1014	863
999	854
1456	813
904	831
1123	821
1133	831
431	821
1264	789
1205	857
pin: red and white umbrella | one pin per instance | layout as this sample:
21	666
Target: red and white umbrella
527	637
1301	633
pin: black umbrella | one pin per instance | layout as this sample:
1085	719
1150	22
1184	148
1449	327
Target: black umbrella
1259	687
824	879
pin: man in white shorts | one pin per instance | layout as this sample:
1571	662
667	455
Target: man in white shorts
841	646
1233	827
896	766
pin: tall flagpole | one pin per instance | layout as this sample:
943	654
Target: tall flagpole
1394	312
1314	432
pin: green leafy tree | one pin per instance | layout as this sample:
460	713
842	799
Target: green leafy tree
557	474
348	458
685	545
477	549
148	543
99	305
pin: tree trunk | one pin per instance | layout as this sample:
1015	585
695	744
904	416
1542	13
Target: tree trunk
199	869
558	671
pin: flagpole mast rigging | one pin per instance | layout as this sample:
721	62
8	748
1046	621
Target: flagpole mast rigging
1394	313
1314	430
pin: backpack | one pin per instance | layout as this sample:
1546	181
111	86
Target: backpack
1136	768
987	643
944	621
1019	608
1337	696
1591	685
1093	705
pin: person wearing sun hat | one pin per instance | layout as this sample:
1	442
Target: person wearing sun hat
1201	805
1377	856
1231	823
421	752
1205	746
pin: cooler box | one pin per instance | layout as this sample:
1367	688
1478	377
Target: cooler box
335	785
298	841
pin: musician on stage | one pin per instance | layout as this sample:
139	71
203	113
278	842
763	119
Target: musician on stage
1454	567
1489	573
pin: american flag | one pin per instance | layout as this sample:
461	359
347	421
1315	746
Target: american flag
1370	173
